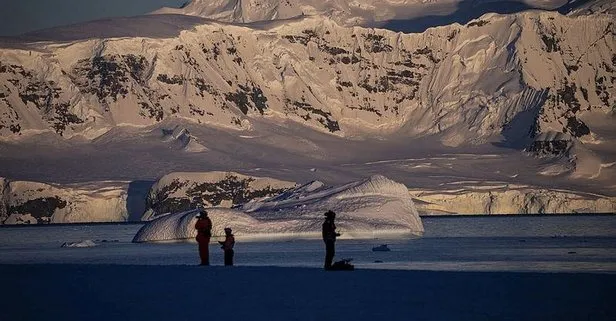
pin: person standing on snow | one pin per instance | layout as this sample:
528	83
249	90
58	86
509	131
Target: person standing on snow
227	246
204	232
329	237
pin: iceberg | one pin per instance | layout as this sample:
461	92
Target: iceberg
372	207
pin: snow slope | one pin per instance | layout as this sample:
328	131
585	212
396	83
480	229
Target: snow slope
364	208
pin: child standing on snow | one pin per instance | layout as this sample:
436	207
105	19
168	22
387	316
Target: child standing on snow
227	246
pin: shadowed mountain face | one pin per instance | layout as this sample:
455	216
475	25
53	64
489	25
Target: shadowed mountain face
469	10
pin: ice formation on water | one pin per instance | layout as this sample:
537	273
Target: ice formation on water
84	243
366	208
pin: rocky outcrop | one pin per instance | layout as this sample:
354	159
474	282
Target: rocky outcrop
177	192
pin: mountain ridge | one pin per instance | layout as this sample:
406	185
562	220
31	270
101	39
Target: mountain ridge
137	70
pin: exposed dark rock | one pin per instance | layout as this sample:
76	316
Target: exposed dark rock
584	93
194	110
346	84
325	118
15	128
376	43
45	95
153	112
108	76
428	53
137	66
240	98
551	43
477	23
368	109
577	127
549	147
203	87
40	208
602	90
571	68
63	117
452	35
216	51
174	80
566	95
15	69
332	50
230	188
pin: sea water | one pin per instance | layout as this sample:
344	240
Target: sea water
571	243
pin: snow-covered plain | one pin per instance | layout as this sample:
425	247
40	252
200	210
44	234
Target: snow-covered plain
463	268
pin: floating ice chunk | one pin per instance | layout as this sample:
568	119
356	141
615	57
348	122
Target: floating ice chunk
381	248
84	243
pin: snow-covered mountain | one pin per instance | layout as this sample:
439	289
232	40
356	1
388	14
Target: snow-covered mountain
370	207
344	12
514	76
537	82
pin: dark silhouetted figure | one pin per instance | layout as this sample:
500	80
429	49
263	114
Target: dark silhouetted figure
329	237
204	232
227	246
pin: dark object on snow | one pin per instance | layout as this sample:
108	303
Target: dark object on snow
381	248
342	265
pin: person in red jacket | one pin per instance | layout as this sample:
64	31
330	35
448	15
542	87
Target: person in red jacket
329	237
204	232
227	246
